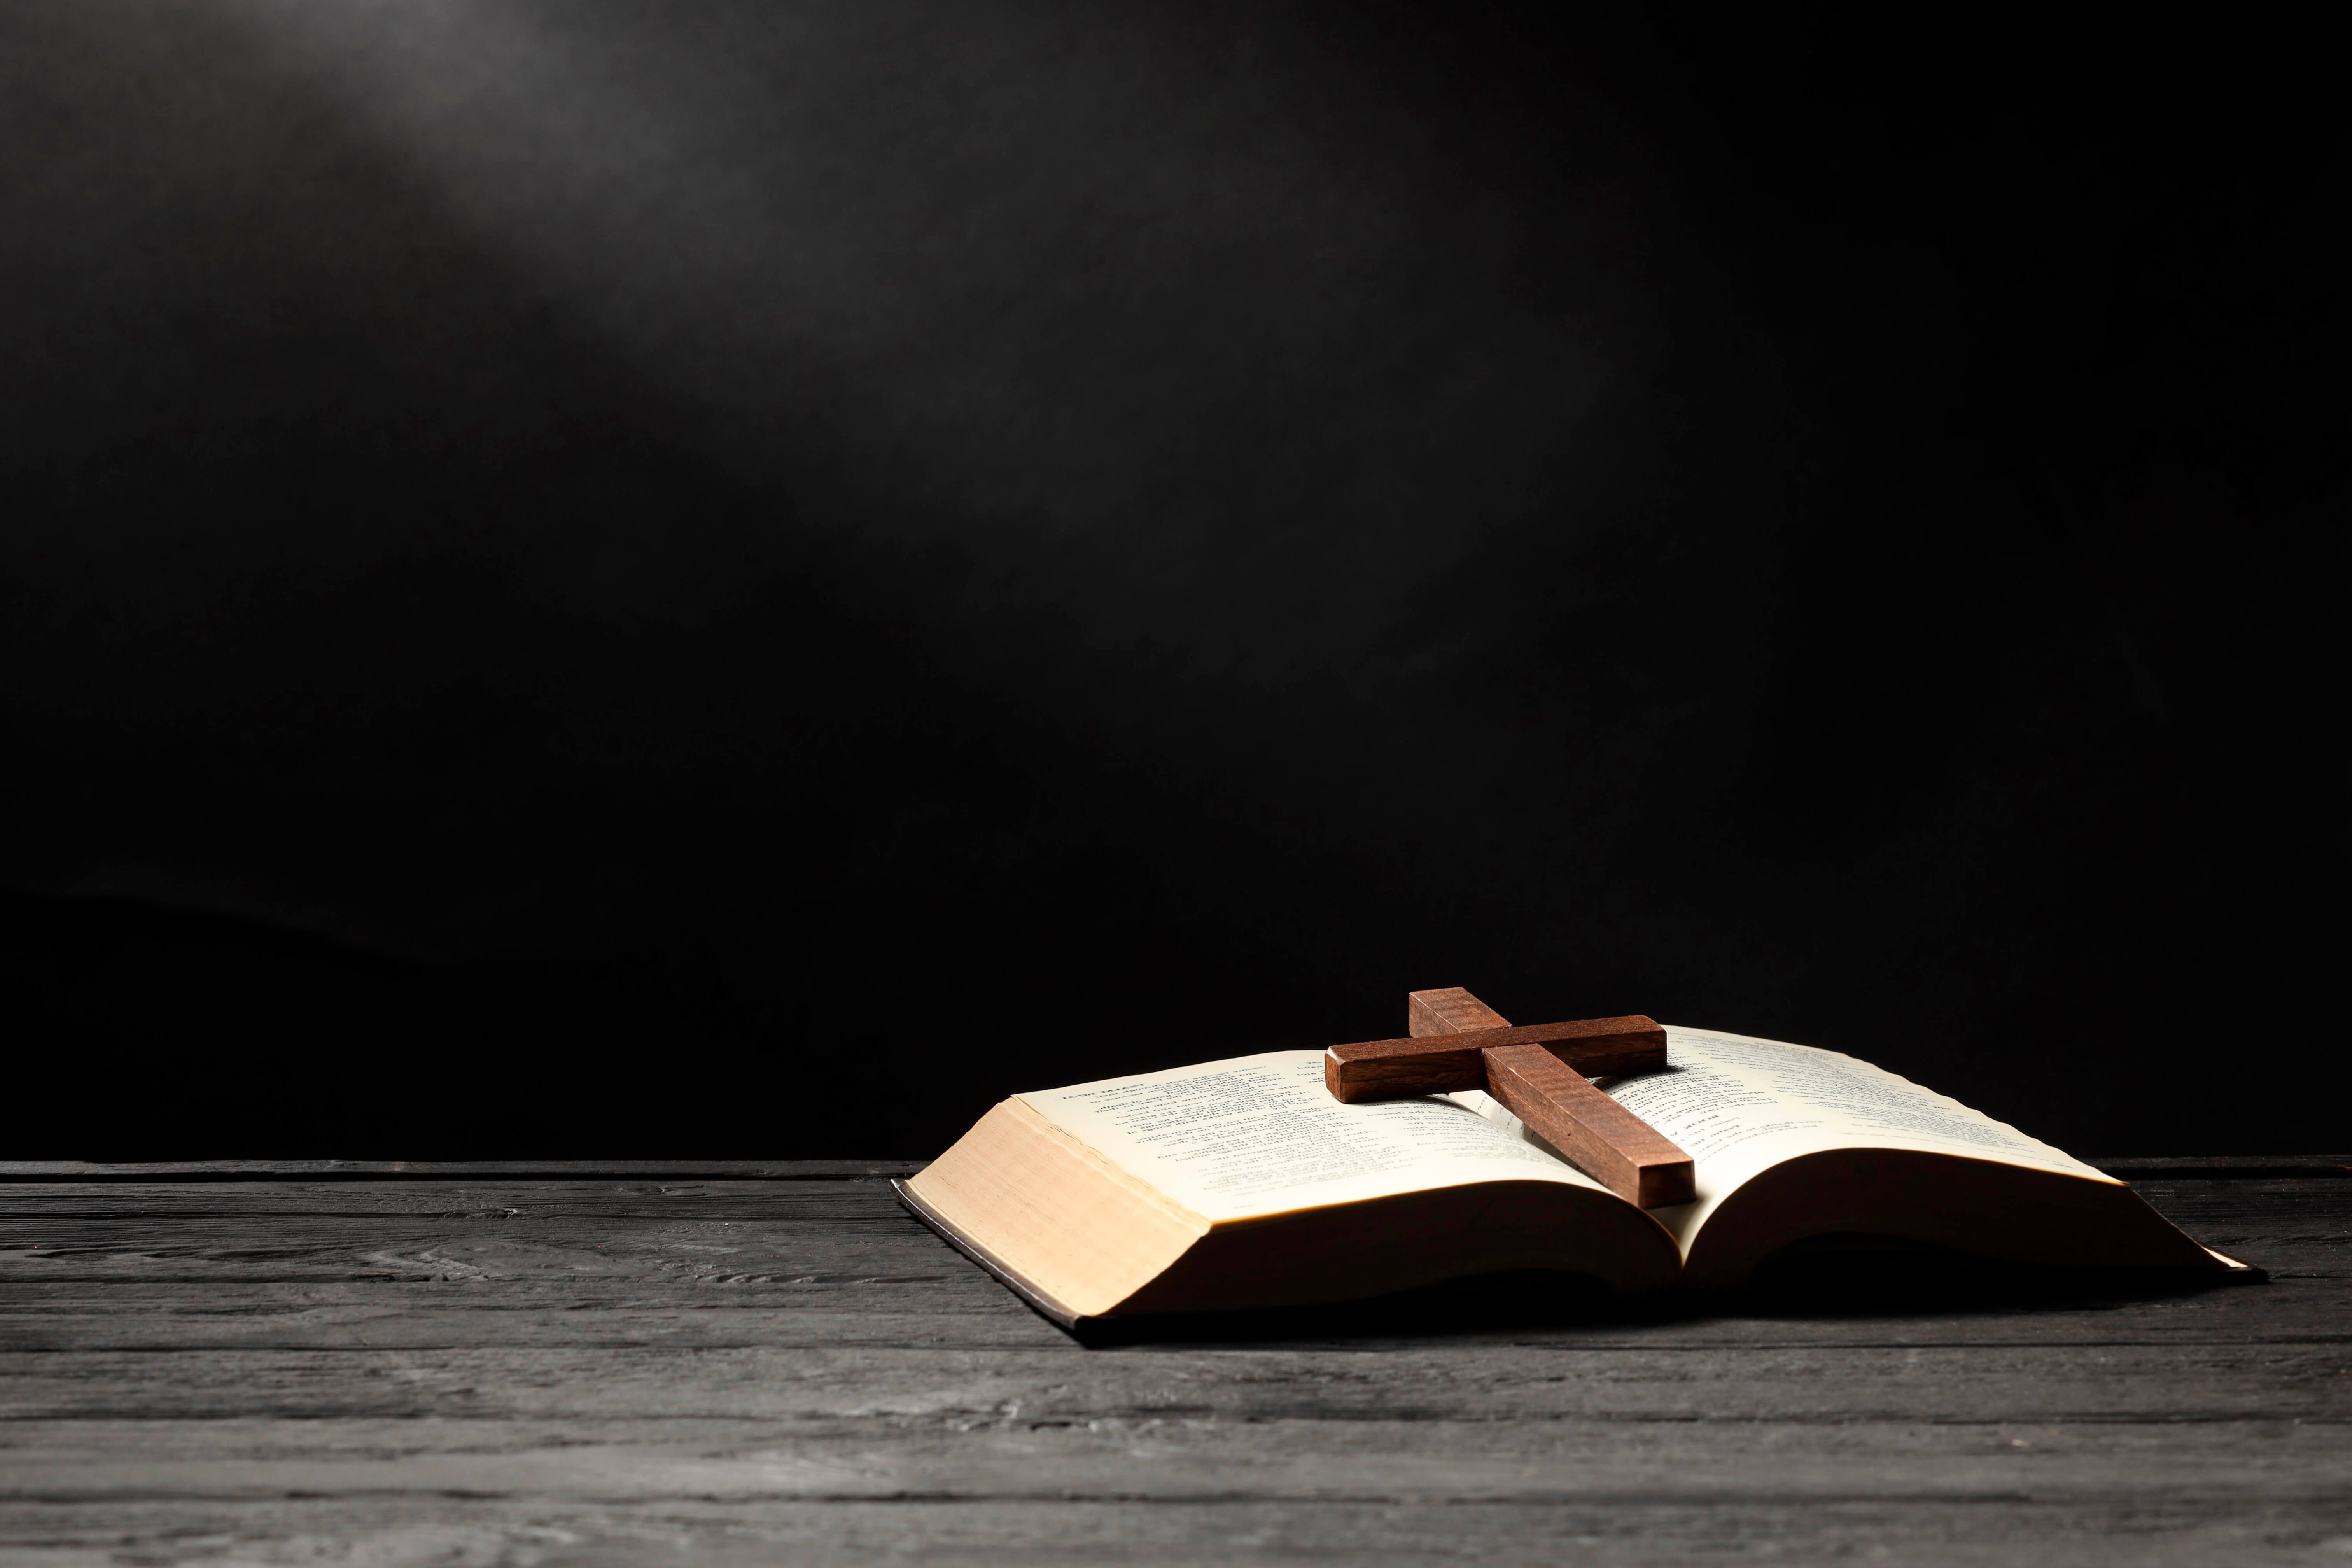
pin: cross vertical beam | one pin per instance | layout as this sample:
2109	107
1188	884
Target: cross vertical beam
1598	1136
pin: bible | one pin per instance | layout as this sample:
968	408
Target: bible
1242	1183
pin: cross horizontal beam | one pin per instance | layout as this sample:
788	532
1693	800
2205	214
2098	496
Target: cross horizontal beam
1449	1064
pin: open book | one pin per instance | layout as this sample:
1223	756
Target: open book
1244	1184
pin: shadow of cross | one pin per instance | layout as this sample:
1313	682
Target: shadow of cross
1541	1073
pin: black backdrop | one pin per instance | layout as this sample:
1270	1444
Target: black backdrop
745	580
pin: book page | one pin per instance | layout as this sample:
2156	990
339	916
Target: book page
1738	1106
1261	1135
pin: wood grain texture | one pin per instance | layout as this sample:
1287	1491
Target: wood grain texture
1596	1135
1449	1010
1402	1069
587	1369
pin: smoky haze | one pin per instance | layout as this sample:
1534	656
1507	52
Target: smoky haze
1022	539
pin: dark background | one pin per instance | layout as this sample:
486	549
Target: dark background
737	580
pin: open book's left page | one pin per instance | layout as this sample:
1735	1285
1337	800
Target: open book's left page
1258	1136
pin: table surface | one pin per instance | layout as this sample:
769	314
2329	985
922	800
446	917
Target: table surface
715	1363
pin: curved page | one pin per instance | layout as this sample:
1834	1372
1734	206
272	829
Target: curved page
1739	1106
1260	1135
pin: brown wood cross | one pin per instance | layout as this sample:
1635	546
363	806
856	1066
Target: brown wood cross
1542	1073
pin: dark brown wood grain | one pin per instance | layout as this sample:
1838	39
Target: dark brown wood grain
1401	1069
590	1369
1448	1010
1596	1135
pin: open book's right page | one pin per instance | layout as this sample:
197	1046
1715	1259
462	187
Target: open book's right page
1738	1106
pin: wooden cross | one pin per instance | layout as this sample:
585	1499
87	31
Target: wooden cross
1542	1074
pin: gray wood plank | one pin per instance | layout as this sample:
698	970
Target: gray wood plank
592	1366
2139	1167
2002	1527
193	1170
983	1317
2306	1381
269	1264
1009	1454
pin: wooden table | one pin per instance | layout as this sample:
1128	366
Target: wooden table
746	1363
